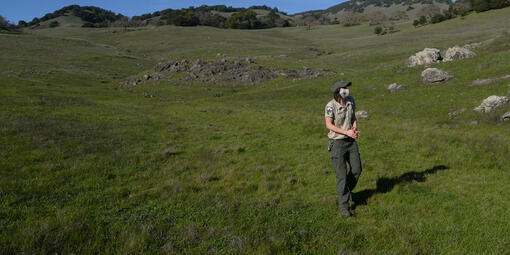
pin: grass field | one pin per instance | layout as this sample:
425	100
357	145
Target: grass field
91	167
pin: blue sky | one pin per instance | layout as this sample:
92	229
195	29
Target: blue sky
15	10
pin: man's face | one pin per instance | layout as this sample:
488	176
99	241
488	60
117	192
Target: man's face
344	92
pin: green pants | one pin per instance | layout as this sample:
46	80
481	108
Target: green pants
345	151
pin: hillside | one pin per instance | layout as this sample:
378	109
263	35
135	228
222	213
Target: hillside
90	16
92	164
360	6
388	8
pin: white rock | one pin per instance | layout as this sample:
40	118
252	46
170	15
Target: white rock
394	87
506	116
434	75
425	57
457	53
361	114
491	103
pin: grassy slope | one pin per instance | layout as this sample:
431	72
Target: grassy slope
88	167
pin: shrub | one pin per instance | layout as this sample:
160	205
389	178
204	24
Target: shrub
378	30
422	20
182	18
4	24
243	20
481	5
54	24
437	18
464	12
496	4
22	23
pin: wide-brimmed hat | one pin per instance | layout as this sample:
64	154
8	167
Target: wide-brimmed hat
340	84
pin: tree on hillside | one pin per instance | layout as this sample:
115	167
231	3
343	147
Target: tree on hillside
399	15
485	5
376	18
54	24
273	19
243	20
4	24
184	17
210	19
270	19
351	19
481	5
428	11
496	4
98	17
422	20
437	18
22	23
377	30
310	20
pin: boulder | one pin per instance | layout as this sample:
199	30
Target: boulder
491	103
457	53
425	57
434	75
361	114
505	116
394	87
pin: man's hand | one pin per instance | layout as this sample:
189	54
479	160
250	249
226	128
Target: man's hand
352	133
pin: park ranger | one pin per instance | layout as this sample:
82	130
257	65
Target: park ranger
343	132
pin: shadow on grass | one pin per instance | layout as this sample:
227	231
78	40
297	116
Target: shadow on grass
385	185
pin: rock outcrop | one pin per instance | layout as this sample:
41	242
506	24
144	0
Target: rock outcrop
226	70
434	75
491	103
458	53
425	57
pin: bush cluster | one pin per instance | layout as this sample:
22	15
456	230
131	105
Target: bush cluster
485	5
244	18
93	16
5	25
458	10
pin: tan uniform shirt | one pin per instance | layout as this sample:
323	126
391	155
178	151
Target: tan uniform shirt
343	116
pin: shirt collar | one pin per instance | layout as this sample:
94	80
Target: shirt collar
347	103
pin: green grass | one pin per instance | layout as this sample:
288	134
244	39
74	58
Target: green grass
91	167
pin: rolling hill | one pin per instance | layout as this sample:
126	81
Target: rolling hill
92	165
388	8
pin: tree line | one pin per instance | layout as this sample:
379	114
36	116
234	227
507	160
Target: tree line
431	14
93	16
242	18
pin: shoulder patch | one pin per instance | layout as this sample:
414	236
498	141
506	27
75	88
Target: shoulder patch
329	110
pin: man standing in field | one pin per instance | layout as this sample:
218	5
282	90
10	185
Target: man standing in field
341	122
